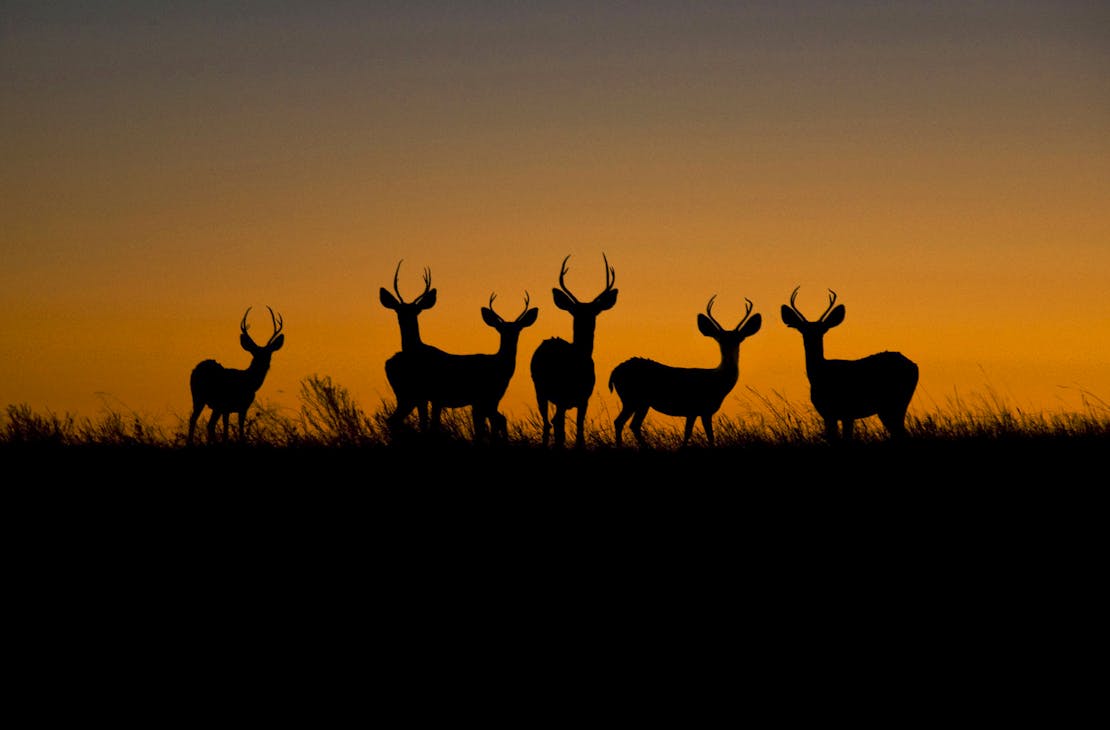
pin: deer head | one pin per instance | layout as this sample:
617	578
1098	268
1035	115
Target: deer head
262	353
407	312
510	330
830	318
729	339
585	313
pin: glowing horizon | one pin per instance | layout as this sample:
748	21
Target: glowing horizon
943	167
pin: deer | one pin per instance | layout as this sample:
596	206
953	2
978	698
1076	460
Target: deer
843	391
227	390
480	380
405	378
563	372
690	393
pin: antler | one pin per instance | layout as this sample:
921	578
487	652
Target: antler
562	284
832	301
278	323
527	301
610	277
427	283
709	313
610	274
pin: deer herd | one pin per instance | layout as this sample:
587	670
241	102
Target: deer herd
427	379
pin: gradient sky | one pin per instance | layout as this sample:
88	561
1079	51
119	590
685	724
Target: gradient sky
945	167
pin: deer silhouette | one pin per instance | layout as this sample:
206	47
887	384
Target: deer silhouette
405	375
845	390
480	380
563	372
691	393
227	390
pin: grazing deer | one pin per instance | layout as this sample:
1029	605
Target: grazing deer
691	393
844	390
480	380
405	378
226	390
563	372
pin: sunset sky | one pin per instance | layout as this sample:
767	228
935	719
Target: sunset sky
943	166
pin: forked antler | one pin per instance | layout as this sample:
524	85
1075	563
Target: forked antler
832	301
427	283
527	301
610	277
278	322
709	313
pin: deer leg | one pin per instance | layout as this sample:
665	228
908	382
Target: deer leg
478	423
895	423
619	421
849	424
422	413
688	431
637	426
707	424
498	426
580	424
193	422
831	432
559	421
542	406
242	419
213	419
226	418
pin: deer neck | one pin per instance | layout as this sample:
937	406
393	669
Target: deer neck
256	371
815	355
410	335
583	337
506	352
729	369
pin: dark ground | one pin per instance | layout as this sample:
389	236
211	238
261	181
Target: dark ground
917	574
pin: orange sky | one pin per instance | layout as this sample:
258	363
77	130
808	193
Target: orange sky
945	167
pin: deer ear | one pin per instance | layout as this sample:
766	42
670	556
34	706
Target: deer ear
606	300
790	318
247	343
752	326
276	344
388	300
428	300
490	317
529	318
562	301
835	317
706	326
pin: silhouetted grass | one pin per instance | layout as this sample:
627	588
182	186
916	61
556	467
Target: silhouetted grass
329	417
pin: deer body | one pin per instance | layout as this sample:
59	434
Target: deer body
228	390
478	381
689	393
843	391
407	369
563	372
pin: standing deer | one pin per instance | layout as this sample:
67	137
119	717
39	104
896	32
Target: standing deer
405	378
691	393
480	380
563	372
226	390
844	390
